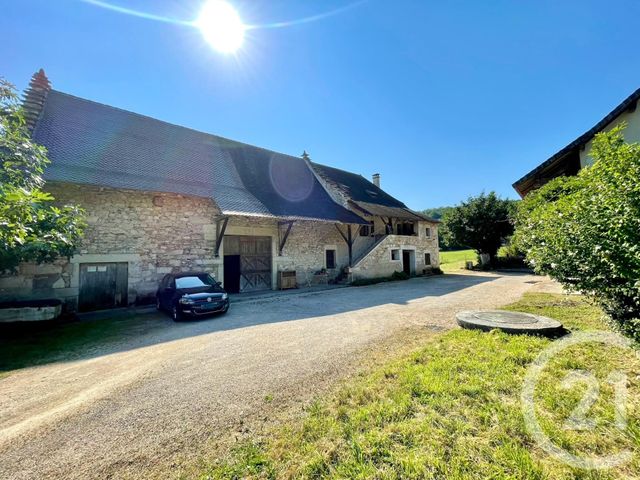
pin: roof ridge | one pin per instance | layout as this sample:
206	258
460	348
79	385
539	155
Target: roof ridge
148	117
339	169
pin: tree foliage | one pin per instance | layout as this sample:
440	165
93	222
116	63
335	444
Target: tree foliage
32	228
482	223
584	231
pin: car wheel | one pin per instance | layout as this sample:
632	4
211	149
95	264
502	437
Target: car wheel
175	314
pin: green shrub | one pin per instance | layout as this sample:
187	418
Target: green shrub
584	231
399	276
361	282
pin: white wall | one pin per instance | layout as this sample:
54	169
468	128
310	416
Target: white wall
631	134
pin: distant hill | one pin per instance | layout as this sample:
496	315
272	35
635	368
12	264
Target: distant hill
436	213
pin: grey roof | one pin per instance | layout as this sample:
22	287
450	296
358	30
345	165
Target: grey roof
393	212
366	196
92	143
552	164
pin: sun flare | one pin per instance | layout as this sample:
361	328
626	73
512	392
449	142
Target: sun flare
221	26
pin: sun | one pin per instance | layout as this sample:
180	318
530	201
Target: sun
221	26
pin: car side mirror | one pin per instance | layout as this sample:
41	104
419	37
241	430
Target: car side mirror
218	284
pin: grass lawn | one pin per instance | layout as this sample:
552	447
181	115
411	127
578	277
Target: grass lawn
451	410
455	260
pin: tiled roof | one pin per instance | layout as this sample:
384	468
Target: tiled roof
394	212
357	187
92	143
367	197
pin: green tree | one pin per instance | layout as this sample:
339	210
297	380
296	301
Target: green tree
584	231
482	223
32	228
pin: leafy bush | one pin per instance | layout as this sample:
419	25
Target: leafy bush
584	231
396	276
511	261
399	276
31	227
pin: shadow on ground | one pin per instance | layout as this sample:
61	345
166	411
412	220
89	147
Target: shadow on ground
117	332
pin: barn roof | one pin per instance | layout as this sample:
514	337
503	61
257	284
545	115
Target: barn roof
96	144
365	196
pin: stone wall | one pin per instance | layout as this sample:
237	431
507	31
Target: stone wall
304	250
379	263
158	233
155	233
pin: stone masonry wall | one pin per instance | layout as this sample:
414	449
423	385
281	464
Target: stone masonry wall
155	233
159	233
378	263
304	250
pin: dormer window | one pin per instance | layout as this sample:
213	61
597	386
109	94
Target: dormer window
371	193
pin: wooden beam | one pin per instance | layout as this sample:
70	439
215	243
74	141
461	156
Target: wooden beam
220	233
341	234
350	244
348	238
283	240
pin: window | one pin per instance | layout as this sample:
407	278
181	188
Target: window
367	230
330	259
427	258
405	228
395	254
195	281
427	232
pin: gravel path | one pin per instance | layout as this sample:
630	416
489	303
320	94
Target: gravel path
138	407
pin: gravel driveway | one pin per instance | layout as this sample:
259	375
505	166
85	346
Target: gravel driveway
152	402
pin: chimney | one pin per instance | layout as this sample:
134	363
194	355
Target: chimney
35	97
376	179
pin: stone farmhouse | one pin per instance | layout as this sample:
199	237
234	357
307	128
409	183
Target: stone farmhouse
576	155
161	198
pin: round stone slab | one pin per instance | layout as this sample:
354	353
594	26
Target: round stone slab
509	322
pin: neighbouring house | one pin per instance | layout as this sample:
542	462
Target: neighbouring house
576	155
161	198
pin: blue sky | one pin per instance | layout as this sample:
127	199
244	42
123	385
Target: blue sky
443	98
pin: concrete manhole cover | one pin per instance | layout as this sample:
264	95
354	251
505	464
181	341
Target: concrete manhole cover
510	322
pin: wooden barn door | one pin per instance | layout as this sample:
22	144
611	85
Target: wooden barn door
102	286
255	264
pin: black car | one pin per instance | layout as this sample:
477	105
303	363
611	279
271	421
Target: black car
191	295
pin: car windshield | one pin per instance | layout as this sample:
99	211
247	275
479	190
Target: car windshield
195	281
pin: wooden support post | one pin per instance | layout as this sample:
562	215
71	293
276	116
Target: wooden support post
283	240
341	234
350	244
348	238
221	226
